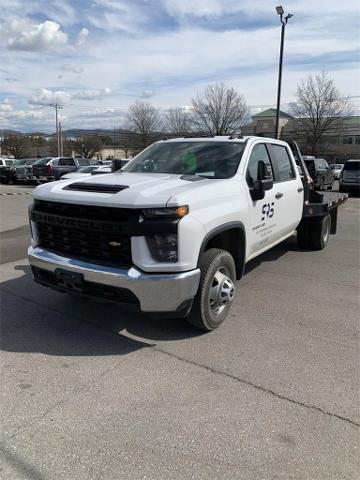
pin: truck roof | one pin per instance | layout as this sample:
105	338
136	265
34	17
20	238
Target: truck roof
220	138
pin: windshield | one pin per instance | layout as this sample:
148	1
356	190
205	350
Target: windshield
20	162
336	166
42	161
206	159
87	169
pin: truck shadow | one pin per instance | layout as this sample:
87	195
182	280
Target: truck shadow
38	319
35	319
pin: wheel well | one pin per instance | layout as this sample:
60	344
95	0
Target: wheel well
233	241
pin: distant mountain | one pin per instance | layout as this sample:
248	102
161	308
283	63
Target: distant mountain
71	132
7	133
106	132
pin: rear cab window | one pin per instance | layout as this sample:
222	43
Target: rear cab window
66	161
282	164
352	165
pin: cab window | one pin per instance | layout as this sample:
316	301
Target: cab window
282	163
259	152
66	161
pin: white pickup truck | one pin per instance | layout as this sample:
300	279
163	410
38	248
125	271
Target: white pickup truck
173	229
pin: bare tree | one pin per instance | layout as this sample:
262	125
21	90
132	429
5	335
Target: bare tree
219	110
319	108
144	119
16	145
177	121
87	146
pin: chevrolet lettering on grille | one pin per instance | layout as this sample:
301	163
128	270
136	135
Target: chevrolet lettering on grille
76	223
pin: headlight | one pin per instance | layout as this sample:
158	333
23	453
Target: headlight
167	212
163	248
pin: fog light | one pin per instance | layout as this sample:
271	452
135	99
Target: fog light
163	248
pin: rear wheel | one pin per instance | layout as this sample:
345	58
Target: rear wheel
216	290
320	232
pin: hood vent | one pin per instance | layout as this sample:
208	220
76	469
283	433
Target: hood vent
192	178
95	187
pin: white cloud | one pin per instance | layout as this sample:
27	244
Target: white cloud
72	68
82	36
29	36
45	97
5	105
204	8
92	94
147	94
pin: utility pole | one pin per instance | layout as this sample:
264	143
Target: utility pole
57	107
61	141
114	142
284	21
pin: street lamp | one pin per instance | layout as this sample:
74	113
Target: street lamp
284	21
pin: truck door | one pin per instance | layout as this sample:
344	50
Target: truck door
262	230
288	191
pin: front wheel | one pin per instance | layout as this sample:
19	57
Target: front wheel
216	290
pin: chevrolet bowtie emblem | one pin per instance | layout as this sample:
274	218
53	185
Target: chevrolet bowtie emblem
115	244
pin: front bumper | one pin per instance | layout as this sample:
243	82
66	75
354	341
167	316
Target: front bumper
156	292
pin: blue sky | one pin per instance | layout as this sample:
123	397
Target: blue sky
96	57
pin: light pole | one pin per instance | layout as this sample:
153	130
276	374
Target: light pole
284	21
57	107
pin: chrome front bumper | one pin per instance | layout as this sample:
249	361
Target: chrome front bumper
156	292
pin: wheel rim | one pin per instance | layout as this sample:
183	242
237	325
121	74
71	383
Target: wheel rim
326	230
222	292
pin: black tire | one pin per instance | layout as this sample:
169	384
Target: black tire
320	232
204	314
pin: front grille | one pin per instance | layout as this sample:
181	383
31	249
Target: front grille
105	247
88	212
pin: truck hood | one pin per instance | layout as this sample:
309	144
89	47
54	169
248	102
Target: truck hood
143	189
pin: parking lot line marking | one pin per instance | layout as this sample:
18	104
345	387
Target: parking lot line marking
15	193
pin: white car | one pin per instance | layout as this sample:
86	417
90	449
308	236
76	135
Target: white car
172	230
87	172
336	169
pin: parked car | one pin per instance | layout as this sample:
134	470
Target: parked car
336	169
350	177
87	171
22	170
56	167
5	169
37	167
321	173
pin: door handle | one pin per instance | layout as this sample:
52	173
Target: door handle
300	189
279	195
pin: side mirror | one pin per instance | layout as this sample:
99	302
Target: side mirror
264	182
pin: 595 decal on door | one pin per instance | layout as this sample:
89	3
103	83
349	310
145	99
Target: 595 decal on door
267	210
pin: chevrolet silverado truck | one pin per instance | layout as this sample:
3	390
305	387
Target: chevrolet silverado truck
173	229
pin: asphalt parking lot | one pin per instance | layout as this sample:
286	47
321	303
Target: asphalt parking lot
97	391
